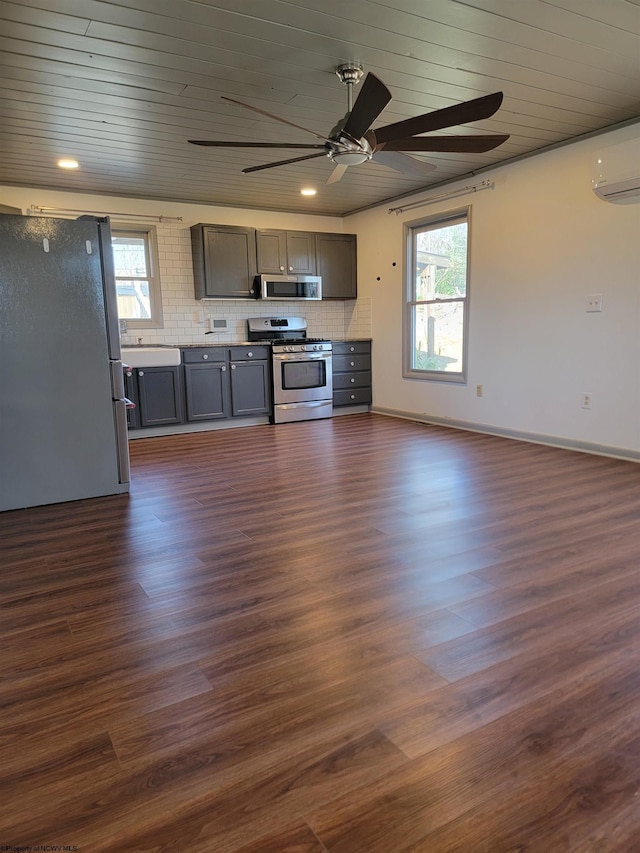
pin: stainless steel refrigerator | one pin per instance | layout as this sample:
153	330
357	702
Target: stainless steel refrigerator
63	429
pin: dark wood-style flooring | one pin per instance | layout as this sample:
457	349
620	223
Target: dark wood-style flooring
358	634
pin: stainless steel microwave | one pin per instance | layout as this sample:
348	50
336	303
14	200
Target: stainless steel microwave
288	287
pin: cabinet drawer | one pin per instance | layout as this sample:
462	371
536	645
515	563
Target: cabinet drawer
352	397
347	347
352	380
250	353
351	362
195	355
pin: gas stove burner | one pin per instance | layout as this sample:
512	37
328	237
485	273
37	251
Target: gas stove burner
280	330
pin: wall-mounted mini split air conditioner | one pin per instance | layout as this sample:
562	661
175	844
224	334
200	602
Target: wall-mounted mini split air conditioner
616	173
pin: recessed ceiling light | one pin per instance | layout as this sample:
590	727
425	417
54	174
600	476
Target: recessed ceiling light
68	164
308	191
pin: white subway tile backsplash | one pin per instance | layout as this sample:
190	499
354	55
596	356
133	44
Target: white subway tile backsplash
186	319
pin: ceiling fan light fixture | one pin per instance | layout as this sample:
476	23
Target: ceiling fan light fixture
350	158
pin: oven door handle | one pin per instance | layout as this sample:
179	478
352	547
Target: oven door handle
301	356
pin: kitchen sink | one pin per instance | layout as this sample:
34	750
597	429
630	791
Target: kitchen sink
151	356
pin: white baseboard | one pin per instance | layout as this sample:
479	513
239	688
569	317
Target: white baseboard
518	435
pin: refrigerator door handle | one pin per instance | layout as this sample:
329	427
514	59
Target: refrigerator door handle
117	380
120	414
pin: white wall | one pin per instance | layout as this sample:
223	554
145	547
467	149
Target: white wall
185	319
541	241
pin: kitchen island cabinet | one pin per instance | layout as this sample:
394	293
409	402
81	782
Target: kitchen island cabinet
224	261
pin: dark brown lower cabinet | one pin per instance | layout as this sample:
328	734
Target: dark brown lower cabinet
351	373
207	391
250	388
160	395
225	382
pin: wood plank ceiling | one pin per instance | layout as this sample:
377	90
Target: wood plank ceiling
121	85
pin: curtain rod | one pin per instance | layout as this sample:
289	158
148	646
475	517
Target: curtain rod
36	209
471	188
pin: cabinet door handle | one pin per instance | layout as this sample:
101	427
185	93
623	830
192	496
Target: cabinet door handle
141	373
281	269
233	367
290	269
223	368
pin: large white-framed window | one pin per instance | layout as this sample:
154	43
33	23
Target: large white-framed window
135	258
437	297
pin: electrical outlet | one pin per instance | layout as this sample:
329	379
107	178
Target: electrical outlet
594	302
479	390
586	400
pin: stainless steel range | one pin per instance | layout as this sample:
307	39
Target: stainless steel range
302	371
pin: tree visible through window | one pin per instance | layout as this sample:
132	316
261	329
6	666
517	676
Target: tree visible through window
437	292
137	287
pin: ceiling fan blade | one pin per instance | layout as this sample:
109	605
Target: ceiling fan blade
254	144
402	162
373	98
474	110
337	173
276	118
467	144
283	162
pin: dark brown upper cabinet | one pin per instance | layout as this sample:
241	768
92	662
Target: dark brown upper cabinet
224	261
336	263
286	252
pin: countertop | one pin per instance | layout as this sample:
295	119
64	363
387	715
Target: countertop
227	344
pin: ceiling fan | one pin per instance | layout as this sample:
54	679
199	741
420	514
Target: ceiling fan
352	141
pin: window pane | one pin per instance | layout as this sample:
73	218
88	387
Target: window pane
129	256
441	262
134	300
438	334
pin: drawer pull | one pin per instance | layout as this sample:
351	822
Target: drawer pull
205	356
352	349
352	380
352	363
249	355
352	396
